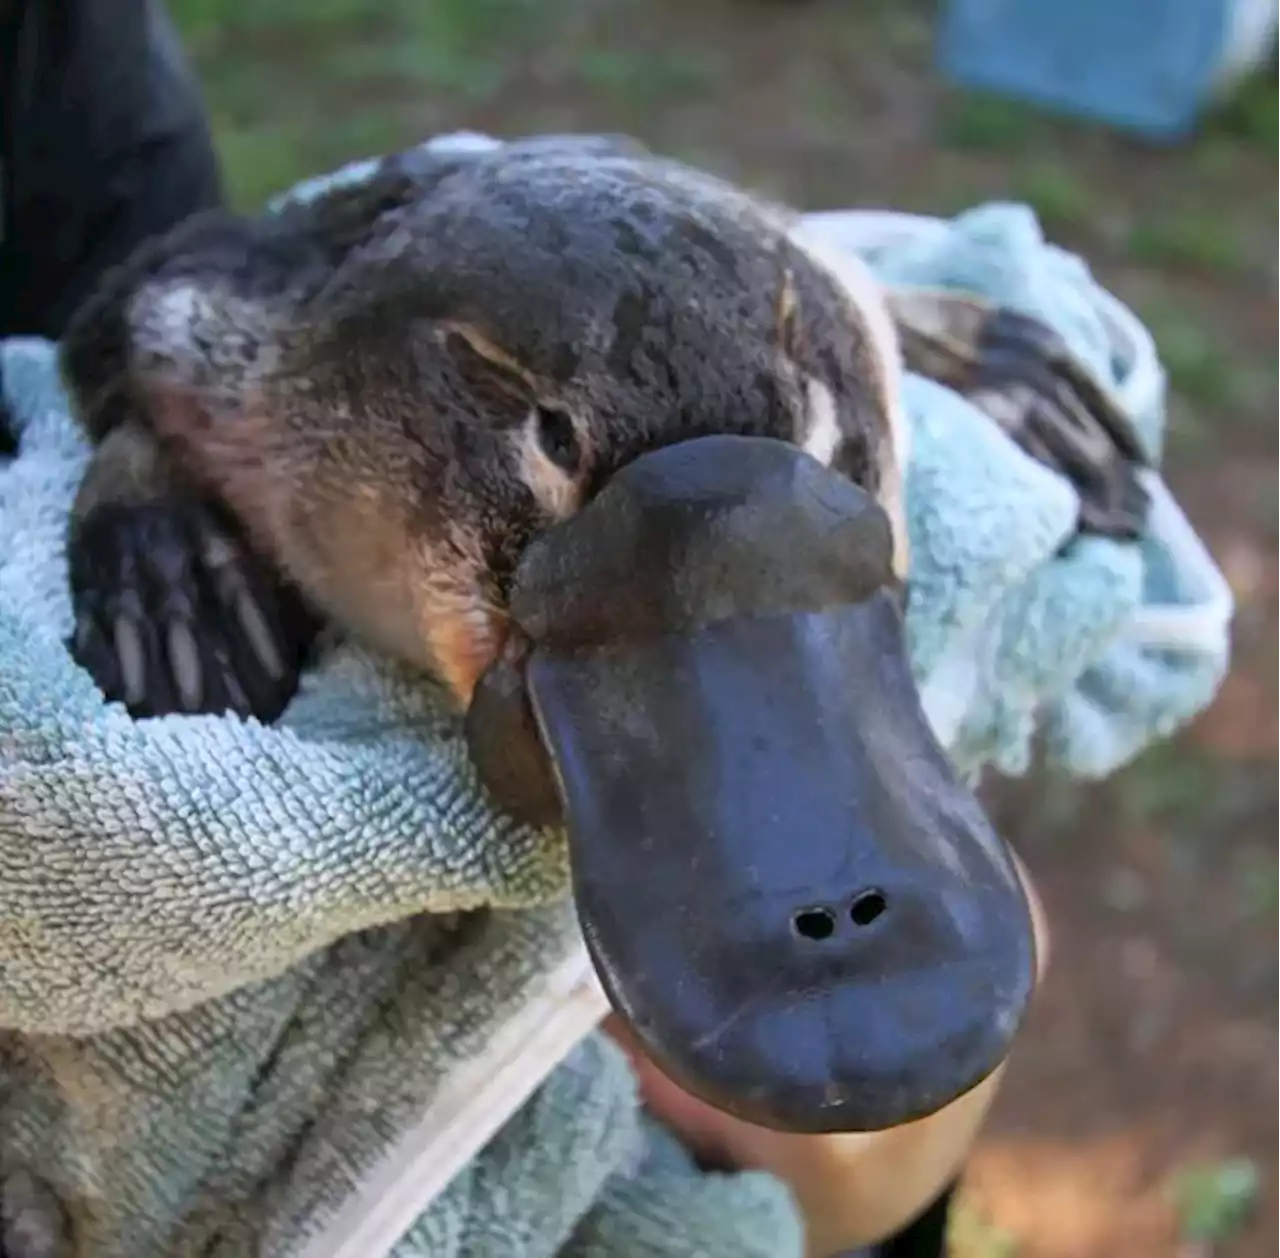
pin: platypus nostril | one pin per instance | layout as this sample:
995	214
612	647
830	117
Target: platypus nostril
867	906
815	923
819	922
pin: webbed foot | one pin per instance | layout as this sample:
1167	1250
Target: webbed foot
174	611
1021	372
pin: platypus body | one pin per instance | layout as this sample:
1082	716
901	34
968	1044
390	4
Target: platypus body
602	444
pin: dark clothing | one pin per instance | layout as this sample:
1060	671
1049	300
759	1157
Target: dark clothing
103	142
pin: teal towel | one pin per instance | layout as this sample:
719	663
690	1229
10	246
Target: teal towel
1102	645
221	996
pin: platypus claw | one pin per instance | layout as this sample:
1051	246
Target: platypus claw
175	614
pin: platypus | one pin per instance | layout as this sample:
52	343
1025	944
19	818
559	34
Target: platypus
607	447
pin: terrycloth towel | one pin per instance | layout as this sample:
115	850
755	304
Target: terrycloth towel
1014	621
220	994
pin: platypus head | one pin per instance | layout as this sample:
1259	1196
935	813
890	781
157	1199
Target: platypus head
597	440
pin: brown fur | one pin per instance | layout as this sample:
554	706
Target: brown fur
395	388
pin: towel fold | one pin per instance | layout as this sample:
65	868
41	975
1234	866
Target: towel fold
1017	624
225	986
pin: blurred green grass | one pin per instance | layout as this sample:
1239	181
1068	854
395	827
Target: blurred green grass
294	89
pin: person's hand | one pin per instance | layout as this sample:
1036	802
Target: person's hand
853	1189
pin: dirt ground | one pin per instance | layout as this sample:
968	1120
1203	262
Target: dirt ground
1148	1067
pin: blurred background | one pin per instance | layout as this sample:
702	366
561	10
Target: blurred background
1139	1120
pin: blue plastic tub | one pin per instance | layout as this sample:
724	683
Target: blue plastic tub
1149	66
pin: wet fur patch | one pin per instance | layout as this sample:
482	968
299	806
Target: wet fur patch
201	336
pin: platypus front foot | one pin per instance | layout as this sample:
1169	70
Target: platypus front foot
1022	373
174	612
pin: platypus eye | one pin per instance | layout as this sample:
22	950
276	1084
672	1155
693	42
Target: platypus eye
558	439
